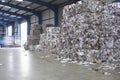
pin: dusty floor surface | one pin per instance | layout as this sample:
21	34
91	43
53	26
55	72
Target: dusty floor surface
18	64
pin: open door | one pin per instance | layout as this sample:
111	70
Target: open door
23	33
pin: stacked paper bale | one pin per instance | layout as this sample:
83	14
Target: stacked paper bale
49	40
34	37
43	42
53	35
90	32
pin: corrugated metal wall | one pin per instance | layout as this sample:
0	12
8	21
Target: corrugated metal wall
47	17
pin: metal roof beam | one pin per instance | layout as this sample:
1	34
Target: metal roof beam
19	7
116	1
51	6
12	13
3	23
4	20
9	18
68	2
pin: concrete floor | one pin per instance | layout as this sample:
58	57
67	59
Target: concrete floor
17	64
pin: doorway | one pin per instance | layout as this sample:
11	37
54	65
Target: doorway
23	33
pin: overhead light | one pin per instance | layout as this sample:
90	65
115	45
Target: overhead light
15	0
19	0
28	7
3	0
5	6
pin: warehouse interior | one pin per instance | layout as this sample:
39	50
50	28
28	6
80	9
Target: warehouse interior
60	39
32	11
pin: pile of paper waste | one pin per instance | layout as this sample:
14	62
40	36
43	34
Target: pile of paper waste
89	35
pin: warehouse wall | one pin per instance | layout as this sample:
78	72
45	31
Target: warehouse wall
34	20
17	31
2	32
48	17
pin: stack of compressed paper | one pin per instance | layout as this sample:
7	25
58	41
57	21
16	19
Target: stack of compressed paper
90	32
34	37
50	39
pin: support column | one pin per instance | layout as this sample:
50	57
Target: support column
13	30
28	26
18	37
40	18
6	30
56	17
19	27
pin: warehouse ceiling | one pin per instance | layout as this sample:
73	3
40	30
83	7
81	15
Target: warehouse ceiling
10	10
